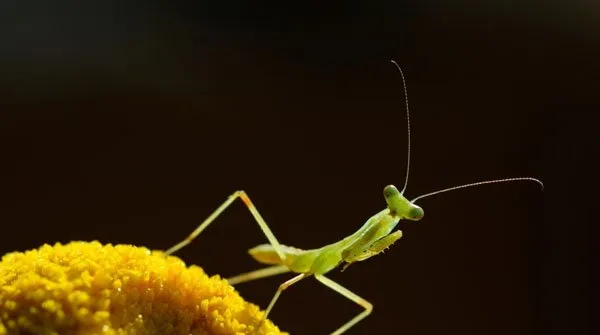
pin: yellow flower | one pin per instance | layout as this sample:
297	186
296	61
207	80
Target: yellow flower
87	288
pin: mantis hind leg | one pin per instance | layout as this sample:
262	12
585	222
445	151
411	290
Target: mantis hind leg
259	219
350	295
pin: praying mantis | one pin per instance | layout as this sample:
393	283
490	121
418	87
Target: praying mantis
374	237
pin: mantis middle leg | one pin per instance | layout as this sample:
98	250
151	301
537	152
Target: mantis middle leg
257	274
281	288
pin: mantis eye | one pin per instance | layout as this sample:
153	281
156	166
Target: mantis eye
416	213
390	191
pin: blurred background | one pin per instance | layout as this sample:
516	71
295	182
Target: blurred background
129	122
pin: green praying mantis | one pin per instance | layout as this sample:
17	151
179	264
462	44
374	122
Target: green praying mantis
374	237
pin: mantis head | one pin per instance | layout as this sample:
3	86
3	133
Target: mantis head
401	206
407	209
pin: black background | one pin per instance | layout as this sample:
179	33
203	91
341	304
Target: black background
130	122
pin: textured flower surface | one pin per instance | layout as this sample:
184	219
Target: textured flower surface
89	288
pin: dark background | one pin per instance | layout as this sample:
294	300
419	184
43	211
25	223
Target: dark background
130	122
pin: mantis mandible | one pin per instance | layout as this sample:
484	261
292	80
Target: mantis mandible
372	238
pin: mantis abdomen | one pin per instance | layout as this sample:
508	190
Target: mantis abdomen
297	260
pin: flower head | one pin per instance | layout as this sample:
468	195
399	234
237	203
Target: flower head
88	288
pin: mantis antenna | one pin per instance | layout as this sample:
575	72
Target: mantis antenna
478	184
408	124
450	188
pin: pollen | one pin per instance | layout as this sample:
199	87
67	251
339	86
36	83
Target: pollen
86	288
